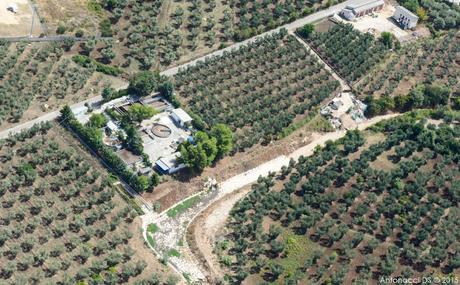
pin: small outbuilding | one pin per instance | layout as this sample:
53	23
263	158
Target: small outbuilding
13	7
405	18
181	117
169	164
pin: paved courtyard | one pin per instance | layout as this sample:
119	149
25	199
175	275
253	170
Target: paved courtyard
156	147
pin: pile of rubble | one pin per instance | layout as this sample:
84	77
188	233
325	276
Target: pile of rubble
344	111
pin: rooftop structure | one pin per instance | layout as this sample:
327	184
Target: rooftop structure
161	136
170	164
181	117
405	18
351	12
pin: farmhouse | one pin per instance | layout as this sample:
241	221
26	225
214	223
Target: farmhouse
351	12
13	7
181	117
405	18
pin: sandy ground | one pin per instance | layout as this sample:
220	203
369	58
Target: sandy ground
203	232
19	24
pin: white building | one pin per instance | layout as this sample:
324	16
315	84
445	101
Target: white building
456	2
405	18
351	12
170	164
13	7
181	117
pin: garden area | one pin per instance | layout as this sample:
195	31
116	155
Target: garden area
382	202
258	90
62	221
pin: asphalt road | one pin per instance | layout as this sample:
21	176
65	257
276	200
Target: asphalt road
47	117
172	71
290	27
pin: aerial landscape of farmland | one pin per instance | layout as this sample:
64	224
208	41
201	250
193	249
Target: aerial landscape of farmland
229	142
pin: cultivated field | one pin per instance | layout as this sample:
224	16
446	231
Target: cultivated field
351	53
258	90
377	203
162	33
427	61
62	221
39	78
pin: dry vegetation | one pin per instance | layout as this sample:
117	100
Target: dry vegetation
73	15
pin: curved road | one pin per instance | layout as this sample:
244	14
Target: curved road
174	70
172	230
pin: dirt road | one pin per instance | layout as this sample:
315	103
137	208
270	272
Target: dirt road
173	229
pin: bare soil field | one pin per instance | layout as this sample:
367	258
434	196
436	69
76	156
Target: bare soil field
20	23
74	14
208	228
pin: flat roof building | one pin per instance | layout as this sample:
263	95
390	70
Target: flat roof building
405	18
351	12
181	117
169	164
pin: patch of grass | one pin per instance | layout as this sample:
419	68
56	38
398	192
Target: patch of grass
187	278
298	249
297	125
95	7
150	240
321	124
173	252
182	207
88	62
152	228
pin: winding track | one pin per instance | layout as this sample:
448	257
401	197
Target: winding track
172	230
